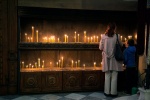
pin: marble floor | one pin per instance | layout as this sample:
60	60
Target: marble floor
70	96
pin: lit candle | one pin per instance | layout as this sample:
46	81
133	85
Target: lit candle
88	39
78	63
26	39
91	39
135	36
62	62
72	64
78	37
59	63
26	66
39	62
23	64
125	39
58	39
30	65
36	35
32	34
43	64
94	64
65	37
97	38
75	37
121	38
84	66
50	64
31	40
84	36
35	64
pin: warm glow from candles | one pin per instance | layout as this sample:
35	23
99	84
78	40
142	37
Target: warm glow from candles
125	39
84	66
43	64
32	34
88	39
26	39
91	39
78	37
59	63
62	62
78	63
135	36
94	64
72	63
97	38
121	38
35	64
75	37
58	39
50	64
39	62
37	36
65	37
22	64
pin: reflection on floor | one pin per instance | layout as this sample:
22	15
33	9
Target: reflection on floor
70	96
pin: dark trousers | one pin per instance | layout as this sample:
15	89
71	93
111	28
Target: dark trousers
131	79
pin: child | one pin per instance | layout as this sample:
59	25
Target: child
130	65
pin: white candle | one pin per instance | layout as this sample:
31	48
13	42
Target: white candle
32	34
58	39
65	37
37	36
78	63
97	38
121	38
23	64
91	39
26	39
62	62
59	63
78	37
94	64
84	36
43	64
75	37
72	64
35	64
50	64
30	65
84	66
88	39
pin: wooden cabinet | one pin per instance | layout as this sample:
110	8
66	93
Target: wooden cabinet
30	82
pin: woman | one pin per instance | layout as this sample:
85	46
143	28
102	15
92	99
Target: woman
109	64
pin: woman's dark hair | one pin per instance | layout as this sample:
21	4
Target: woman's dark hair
131	42
110	31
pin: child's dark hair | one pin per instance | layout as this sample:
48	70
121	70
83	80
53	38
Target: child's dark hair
131	42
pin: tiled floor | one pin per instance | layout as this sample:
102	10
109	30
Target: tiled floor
70	96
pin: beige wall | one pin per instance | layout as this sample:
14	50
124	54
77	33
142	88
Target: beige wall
121	5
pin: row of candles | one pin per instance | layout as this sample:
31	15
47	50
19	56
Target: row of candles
59	64
35	38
